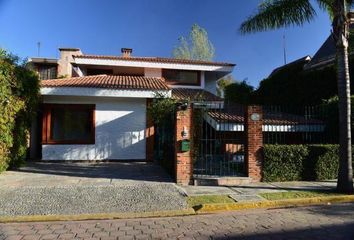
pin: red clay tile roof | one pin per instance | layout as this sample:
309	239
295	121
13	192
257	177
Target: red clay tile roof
156	59
194	95
110	82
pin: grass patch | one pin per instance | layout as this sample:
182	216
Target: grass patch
204	199
298	194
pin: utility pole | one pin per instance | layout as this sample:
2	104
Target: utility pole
39	48
284	47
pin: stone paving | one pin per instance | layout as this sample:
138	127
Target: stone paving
316	222
76	188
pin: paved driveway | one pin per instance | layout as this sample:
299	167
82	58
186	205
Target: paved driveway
74	188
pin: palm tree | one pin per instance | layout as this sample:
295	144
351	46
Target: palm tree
273	14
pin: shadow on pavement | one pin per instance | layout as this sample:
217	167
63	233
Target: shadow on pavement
329	232
113	170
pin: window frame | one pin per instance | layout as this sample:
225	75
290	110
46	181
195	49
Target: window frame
179	83
47	71
46	123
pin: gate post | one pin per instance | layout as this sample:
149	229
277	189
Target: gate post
183	159
254	142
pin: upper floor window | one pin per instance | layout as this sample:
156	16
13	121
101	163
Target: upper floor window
181	77
94	71
47	71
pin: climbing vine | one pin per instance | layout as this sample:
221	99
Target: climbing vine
19	95
162	108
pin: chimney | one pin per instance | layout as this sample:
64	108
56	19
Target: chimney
65	67
126	52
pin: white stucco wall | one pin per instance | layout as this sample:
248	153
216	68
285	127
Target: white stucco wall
119	134
210	82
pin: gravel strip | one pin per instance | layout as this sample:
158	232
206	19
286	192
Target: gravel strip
135	197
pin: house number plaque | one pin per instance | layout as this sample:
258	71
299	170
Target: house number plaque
255	117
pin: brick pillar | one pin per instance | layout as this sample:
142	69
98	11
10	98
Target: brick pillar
150	134
184	162
254	142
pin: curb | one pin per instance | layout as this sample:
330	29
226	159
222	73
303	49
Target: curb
202	209
96	216
213	208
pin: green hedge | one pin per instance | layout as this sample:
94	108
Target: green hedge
283	162
19	95
325	161
300	162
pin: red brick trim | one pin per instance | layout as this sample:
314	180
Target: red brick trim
254	142
184	162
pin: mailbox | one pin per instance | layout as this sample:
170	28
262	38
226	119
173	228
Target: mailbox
185	145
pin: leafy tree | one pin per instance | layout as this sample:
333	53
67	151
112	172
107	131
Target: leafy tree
222	84
19	94
239	92
273	14
196	46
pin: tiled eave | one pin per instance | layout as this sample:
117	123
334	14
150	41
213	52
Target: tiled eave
82	60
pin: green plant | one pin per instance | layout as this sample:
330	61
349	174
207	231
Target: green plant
239	92
297	194
300	162
283	162
324	162
194	201
196	46
19	94
161	108
274	14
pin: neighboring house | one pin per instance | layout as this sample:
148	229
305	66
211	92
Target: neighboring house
95	107
325	56
299	62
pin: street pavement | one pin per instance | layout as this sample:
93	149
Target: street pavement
316	222
42	188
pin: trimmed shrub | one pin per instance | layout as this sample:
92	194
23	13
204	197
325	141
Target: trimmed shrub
283	162
300	162
325	162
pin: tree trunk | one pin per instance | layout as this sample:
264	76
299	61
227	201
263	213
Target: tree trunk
340	30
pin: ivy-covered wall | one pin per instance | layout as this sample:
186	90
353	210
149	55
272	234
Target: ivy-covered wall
19	95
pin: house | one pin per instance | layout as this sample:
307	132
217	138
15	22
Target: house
94	107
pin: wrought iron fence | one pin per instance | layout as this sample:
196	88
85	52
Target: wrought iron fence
300	124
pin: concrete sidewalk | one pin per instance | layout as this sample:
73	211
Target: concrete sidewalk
251	191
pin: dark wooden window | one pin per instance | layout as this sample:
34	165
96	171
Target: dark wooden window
68	124
94	71
181	77
47	71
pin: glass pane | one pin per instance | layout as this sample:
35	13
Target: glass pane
189	77
47	72
181	77
70	124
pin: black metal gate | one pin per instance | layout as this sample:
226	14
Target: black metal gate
164	147
218	139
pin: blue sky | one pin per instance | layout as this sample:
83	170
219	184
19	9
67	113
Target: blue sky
152	28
